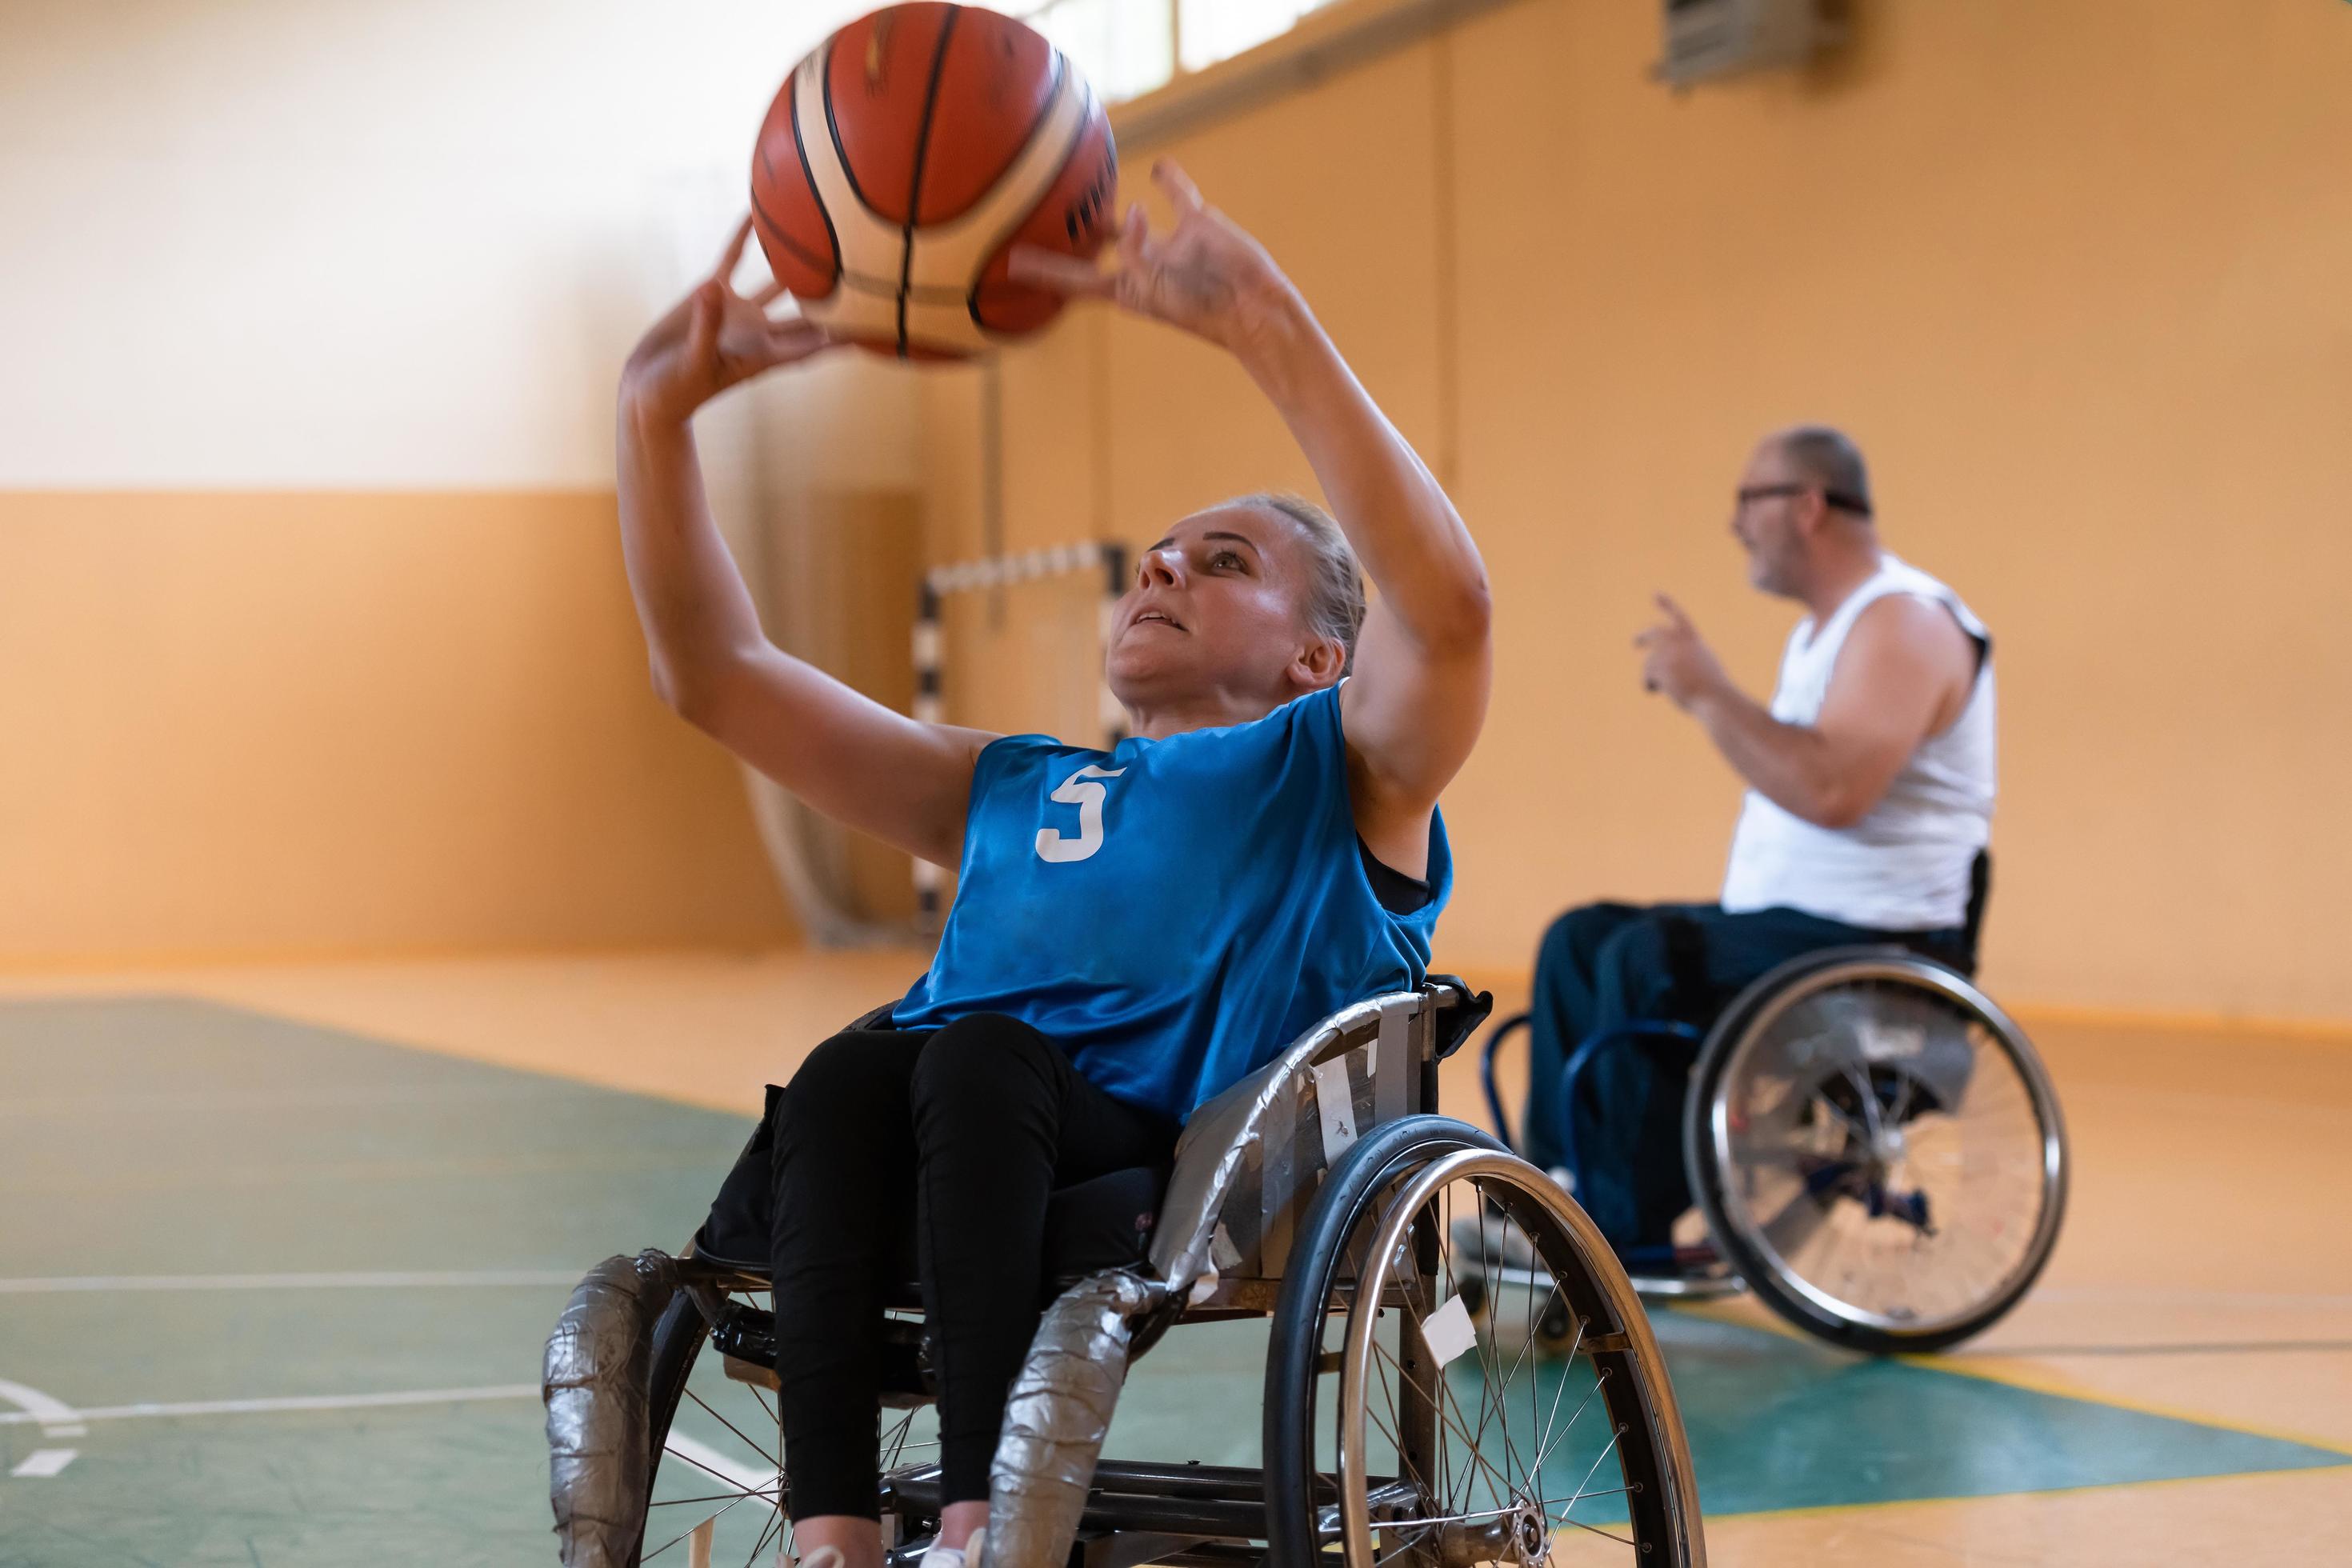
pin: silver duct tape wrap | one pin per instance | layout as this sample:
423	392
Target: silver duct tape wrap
595	1383
1396	1075
1057	1417
1251	1158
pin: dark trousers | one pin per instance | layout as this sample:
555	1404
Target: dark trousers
956	1136
1605	966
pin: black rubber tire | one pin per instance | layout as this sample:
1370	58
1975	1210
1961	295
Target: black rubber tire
1349	1196
679	1335
1707	1178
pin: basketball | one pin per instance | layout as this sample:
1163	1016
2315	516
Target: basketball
905	158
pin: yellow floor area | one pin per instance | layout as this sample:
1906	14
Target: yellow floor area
2203	1271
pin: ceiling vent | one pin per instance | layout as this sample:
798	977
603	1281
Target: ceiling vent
1709	38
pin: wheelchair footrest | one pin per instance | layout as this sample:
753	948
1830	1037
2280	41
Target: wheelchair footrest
746	1338
1682	1273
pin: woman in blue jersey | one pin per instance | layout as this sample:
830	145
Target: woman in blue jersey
1133	930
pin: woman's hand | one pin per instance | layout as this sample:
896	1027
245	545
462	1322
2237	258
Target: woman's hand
713	340
1205	275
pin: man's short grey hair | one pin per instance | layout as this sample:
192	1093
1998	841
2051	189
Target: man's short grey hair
1334	589
1828	457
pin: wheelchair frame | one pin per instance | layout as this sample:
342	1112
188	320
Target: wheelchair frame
1257	1168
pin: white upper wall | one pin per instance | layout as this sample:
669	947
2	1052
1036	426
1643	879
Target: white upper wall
357	243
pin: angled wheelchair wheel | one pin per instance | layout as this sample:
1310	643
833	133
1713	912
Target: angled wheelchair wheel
1877	1149
715	1438
1459	1374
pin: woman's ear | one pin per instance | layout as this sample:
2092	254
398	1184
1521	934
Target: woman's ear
1320	663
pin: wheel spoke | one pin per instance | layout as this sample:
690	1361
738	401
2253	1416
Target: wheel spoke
1467	1441
1596	1529
1500	1391
733	1427
742	1491
1605	1450
774	1528
1601	1376
697	1524
1544	1440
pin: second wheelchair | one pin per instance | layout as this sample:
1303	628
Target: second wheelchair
1875	1146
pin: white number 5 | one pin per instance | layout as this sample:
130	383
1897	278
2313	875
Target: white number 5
1088	798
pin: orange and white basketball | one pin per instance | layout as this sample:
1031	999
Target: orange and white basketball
905	158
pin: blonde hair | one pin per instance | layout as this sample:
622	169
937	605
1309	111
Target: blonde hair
1335	586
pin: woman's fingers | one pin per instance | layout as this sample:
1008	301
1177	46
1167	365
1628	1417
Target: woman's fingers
724	276
1176	186
795	340
1136	249
1071	275
768	296
702	323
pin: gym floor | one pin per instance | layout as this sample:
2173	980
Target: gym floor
283	1246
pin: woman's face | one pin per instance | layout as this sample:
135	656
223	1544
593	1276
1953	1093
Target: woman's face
1216	616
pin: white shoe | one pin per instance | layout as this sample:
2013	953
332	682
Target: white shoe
968	1555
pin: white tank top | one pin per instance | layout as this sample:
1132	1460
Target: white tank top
1905	867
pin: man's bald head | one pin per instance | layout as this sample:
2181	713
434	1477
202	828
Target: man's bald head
1828	457
1804	511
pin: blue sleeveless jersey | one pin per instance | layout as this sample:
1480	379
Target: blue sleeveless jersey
1174	912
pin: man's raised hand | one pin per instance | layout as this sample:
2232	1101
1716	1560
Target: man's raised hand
1676	659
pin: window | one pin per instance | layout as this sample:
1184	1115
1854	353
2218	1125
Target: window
1127	47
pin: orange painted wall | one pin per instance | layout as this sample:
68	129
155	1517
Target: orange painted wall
290	724
2076	275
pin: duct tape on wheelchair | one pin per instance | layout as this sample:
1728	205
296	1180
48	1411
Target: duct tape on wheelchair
1335	1103
1448	1331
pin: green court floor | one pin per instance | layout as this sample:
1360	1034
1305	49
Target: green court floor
273	1294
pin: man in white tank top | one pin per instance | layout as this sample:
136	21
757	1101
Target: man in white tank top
1870	798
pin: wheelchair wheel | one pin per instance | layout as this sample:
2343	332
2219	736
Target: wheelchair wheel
715	1490
1459	1374
1877	1149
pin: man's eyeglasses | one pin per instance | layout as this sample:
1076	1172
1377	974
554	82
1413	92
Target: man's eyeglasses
1749	494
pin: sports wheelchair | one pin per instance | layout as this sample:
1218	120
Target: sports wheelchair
1875	1145
1457	1371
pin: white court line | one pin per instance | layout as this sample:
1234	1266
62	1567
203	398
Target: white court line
354	1281
748	1478
289	1402
58	1418
42	1462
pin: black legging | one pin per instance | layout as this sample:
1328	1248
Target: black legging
957	1135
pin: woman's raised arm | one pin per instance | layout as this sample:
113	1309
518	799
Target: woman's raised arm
1424	660
849	757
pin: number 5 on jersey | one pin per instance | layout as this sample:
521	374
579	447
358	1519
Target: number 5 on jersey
1079	790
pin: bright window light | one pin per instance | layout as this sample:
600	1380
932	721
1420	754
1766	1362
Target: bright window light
1125	48
1214	29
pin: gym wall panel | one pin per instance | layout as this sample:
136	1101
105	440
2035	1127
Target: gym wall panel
2071	274
310	594
286	724
274	244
